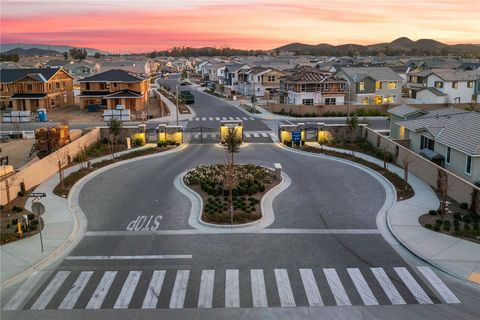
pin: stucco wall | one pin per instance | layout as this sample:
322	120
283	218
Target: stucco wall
41	170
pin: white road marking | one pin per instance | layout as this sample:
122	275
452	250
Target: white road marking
264	134
145	257
413	286
102	289
237	118
311	288
210	118
259	294
362	287
339	293
230	118
284	288
247	134
76	290
387	286
245	118
179	289
25	289
128	289
217	118
224	118
251	118
204	119
197	119
232	289
255	135
50	290
205	295
153	291
447	295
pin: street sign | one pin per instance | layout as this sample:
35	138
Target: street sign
36	194
38	208
296	136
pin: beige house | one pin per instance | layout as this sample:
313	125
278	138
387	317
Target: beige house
115	87
31	89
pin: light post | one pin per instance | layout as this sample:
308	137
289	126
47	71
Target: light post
176	87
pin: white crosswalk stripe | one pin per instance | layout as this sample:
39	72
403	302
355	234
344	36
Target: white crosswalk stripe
102	289
154	289
18	299
259	294
224	118
197	119
50	290
128	289
245	118
264	134
248	134
311	288
204	119
179	289
362	287
339	293
217	118
251	118
287	288
387	286
255	135
205	297
413	286
230	118
75	292
210	118
232	289
284	288
447	295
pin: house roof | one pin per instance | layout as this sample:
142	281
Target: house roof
405	110
124	94
448	74
235	67
116	75
376	73
13	75
306	74
452	127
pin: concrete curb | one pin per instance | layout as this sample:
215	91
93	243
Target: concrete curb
266	205
79	219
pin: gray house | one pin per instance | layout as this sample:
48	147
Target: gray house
399	113
372	85
449	137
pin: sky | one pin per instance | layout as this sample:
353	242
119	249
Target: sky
147	25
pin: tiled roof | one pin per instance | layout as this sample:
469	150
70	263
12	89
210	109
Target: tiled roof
456	128
377	73
449	74
12	75
404	110
114	75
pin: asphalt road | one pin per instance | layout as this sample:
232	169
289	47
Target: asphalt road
221	270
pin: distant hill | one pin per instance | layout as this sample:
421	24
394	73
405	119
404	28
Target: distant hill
59	49
398	46
31	52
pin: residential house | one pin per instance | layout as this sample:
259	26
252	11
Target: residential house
31	89
442	86
115	87
372	85
400	113
259	81
310	86
232	76
449	137
217	73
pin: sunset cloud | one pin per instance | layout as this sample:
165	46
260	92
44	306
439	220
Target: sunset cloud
145	25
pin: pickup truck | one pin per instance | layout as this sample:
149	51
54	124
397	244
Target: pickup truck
187	97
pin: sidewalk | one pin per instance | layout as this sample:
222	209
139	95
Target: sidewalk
173	111
457	257
20	258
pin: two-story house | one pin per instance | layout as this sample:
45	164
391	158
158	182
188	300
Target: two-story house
115	87
232	75
442	86
449	137
31	89
372	85
309	86
259	81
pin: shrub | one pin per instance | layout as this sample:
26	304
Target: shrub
439	221
467	219
8	226
33	227
457	216
436	227
446	227
17	209
476	226
466	227
31	216
432	212
34	222
428	226
464	205
456	222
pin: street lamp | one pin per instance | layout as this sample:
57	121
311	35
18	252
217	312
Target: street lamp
176	88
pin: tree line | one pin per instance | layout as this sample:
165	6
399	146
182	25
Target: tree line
204	52
9	57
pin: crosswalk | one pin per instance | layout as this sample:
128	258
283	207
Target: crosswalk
221	119
231	288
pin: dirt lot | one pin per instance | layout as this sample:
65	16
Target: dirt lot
18	152
74	114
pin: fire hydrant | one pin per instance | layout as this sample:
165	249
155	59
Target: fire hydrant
19	228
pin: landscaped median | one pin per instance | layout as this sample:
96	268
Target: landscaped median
249	184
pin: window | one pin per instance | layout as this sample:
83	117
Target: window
378	85
330	101
378	100
307	102
426	143
455	84
470	84
342	86
392	85
271	78
361	86
87	86
468	166
258	78
447	158
325	87
391	99
365	100
438	84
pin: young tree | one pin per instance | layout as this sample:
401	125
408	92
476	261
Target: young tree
114	128
65	55
232	145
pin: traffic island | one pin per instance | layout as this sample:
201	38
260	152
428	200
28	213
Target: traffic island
231	196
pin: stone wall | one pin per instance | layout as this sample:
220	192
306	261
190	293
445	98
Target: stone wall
41	170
